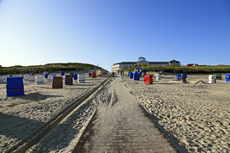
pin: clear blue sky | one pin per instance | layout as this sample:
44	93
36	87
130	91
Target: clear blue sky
104	32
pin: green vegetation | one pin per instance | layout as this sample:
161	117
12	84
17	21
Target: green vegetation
183	69
51	67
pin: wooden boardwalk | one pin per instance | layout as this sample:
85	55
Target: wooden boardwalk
122	126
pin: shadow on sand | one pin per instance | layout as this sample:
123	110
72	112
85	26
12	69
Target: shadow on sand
36	96
17	127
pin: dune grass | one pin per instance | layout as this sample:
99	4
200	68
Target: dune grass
183	69
51	67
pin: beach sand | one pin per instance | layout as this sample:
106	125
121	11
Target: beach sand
21	115
195	113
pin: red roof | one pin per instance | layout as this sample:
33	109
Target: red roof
189	64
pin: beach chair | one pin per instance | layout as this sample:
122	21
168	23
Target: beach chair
81	78
14	86
26	77
46	75
148	79
75	76
177	77
158	76
218	76
68	80
131	75
57	82
212	79
50	77
39	80
136	76
227	78
31	78
93	74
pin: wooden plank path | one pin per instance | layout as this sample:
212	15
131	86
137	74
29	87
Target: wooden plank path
122	126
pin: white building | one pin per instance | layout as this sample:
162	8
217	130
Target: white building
141	60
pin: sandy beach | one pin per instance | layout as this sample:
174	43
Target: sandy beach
195	113
21	115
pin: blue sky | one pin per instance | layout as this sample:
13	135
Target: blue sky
104	32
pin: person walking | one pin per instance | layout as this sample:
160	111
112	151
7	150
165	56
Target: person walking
113	74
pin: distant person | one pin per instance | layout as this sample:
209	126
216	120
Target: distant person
113	74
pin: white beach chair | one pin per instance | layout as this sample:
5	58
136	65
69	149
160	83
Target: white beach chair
50	77
158	76
39	80
212	79
81	78
26	77
31	79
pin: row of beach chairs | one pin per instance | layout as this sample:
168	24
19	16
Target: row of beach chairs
15	85
148	79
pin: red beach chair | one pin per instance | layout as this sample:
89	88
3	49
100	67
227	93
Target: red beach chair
148	79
